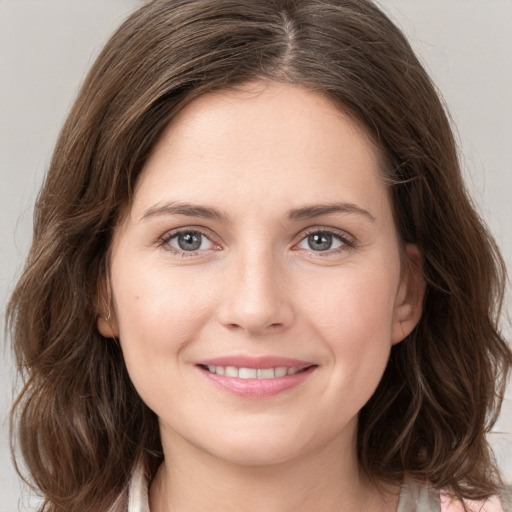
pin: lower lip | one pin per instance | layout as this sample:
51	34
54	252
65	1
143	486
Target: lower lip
257	388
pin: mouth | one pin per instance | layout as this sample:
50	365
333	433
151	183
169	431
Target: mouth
256	379
253	373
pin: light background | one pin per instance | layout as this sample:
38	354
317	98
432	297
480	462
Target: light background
47	46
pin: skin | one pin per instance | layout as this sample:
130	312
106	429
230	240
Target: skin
258	287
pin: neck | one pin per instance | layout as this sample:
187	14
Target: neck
324	480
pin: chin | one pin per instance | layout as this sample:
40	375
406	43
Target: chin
267	447
259	453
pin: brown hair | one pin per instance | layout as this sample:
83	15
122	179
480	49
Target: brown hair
80	424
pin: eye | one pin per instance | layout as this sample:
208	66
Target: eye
323	241
187	241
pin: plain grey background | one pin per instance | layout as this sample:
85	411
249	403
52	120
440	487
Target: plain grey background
46	47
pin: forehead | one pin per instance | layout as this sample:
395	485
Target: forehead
262	141
263	113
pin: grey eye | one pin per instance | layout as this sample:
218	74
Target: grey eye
188	241
320	241
323	241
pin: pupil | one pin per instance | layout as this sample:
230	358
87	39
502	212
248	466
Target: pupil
189	241
320	241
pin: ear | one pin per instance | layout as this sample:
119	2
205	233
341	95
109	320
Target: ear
409	299
107	320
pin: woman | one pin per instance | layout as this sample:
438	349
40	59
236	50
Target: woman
256	277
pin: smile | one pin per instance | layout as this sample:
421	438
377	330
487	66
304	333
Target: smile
253	373
256	378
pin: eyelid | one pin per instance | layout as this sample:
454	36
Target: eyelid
163	240
345	235
349	241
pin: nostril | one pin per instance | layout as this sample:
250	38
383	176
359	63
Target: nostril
254	316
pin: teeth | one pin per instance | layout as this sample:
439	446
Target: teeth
247	373
265	373
253	373
231	371
280	371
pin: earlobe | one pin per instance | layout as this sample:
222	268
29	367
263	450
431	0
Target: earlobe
409	303
107	327
107	321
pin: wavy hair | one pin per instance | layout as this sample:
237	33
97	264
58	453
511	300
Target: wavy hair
78	421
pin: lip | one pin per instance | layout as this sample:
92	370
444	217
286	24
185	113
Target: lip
241	361
256	388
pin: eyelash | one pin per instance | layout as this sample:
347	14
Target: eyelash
348	242
163	242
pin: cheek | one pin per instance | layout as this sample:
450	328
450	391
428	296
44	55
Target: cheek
355	325
158	319
353	315
157	299
353	304
158	316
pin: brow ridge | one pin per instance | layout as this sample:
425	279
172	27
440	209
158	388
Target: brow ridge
317	210
208	212
188	209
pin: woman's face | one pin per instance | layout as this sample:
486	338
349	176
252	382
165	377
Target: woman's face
257	278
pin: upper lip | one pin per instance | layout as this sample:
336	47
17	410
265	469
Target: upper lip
240	361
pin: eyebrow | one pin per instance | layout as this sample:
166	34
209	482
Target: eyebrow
317	210
208	212
188	209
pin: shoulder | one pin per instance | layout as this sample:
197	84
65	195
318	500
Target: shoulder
493	504
420	497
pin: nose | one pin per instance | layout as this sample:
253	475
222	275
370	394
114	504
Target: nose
256	296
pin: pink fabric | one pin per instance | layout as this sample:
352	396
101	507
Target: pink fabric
450	505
